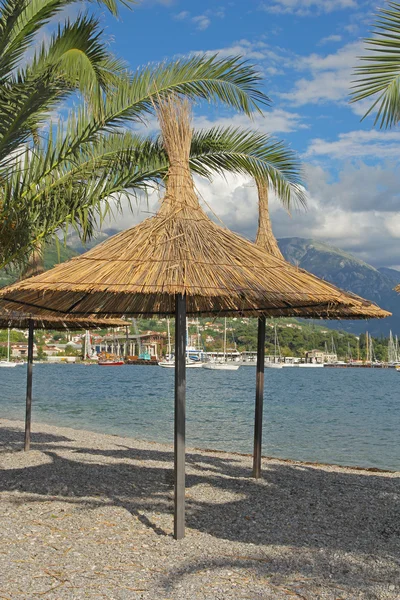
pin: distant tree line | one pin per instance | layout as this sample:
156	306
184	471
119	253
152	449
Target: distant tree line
293	341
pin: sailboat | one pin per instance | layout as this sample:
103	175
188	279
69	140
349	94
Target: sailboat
169	362
8	363
275	364
223	365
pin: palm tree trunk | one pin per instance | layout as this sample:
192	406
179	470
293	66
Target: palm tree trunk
265	237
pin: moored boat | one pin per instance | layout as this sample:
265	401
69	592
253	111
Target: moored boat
276	363
221	366
170	364
109	360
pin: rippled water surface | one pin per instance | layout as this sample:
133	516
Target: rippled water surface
344	416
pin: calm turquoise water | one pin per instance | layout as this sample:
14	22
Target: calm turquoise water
344	416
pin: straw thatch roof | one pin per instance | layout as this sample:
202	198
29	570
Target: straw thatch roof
178	251
265	239
21	320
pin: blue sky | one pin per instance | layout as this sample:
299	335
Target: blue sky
305	50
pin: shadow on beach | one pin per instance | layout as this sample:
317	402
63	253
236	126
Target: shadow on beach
295	507
12	440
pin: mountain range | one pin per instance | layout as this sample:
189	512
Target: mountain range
349	273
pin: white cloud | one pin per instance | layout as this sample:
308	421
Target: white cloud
184	14
329	77
306	7
329	39
254	50
357	144
272	121
202	22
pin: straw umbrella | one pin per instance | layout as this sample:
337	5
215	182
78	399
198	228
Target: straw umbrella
23	321
265	239
177	262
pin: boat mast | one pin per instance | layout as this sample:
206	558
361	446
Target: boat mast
349	355
225	339
8	346
277	345
366	346
169	338
198	334
334	351
371	349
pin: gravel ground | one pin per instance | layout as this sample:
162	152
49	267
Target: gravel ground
85	515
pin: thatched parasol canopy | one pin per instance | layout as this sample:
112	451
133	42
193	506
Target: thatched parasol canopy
265	239
178	251
22	320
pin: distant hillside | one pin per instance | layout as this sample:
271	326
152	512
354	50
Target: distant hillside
352	274
52	256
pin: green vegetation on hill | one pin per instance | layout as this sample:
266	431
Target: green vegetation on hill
295	337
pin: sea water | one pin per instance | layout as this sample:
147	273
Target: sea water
342	416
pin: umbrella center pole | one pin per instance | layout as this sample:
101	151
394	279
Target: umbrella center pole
180	416
28	412
258	420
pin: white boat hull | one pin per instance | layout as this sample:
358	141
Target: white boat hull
273	365
171	365
311	365
220	366
6	363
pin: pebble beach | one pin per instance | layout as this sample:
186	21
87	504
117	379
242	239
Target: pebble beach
87	515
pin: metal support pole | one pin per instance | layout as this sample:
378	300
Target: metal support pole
180	415
28	412
259	398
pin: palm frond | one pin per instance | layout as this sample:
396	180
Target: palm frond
231	81
380	75
78	54
21	20
247	152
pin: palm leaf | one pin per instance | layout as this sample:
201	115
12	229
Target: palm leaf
380	75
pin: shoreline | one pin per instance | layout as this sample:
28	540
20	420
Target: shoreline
87	514
227	453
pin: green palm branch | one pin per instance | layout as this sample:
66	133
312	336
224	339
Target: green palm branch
380	75
55	178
